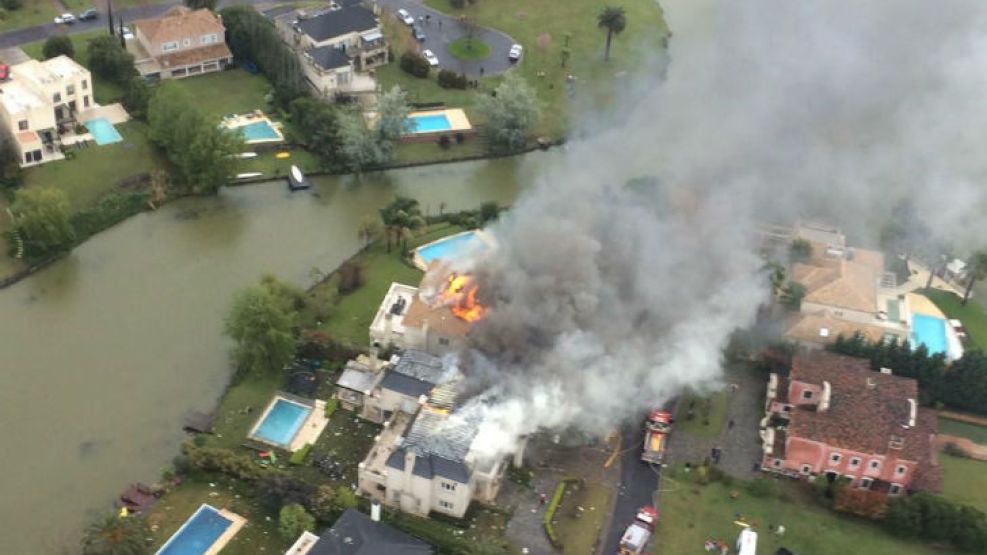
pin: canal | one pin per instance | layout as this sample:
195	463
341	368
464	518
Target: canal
105	351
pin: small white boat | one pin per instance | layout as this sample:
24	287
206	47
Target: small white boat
245	155
248	175
296	179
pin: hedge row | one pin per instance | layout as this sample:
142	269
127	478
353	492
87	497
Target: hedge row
553	506
298	457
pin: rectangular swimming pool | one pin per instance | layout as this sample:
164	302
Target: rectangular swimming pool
429	124
282	422
259	131
103	131
197	534
450	248
929	331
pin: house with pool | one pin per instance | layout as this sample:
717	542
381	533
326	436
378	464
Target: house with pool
290	422
205	532
181	43
832	417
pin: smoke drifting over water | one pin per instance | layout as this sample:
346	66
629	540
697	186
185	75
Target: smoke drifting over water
609	299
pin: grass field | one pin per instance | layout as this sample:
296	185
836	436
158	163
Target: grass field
226	92
708	414
33	12
581	517
692	514
964	480
972	315
469	50
972	432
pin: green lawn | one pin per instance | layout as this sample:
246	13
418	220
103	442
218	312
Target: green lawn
470	50
971	314
957	428
581	516
266	163
541	27
240	407
227	92
259	535
33	12
97	170
964	480
692	514
432	152
707	417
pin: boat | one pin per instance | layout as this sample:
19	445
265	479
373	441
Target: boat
296	179
248	175
282	155
244	155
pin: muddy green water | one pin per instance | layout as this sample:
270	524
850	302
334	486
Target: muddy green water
104	352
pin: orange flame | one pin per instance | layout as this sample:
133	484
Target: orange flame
460	294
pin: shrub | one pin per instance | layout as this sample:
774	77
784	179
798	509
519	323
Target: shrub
350	277
12	4
444	141
937	519
761	487
955	450
345	498
414	64
452	80
57	45
553	506
293	520
215	459
109	60
460	137
331	406
458	4
298	457
276	489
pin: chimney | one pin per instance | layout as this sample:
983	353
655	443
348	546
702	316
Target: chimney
518	460
827	392
375	511
871	383
912	413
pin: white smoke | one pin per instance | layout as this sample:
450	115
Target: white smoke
610	298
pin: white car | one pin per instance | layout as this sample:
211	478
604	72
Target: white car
406	17
126	33
66	18
430	57
515	53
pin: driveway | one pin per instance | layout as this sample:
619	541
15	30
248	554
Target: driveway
442	29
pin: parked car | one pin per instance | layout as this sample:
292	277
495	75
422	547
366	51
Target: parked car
418	33
404	16
4	72
126	33
515	53
89	14
65	18
430	57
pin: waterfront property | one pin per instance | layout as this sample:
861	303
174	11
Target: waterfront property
355	533
206	532
929	327
452	248
289	422
430	124
255	128
181	43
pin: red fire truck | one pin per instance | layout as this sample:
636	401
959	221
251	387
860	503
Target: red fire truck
656	431
639	532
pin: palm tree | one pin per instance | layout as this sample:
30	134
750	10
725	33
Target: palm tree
612	19
977	269
112	535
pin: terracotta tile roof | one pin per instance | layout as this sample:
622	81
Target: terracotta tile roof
440	319
866	408
806	328
27	137
836	281
180	22
195	56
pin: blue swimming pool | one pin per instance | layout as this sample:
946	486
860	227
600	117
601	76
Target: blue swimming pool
198	534
259	131
429	124
282	422
451	248
929	331
103	131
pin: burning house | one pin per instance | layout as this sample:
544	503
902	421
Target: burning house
377	389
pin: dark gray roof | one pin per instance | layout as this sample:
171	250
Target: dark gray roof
357	377
430	466
355	534
423	366
340	22
440	441
406	385
329	57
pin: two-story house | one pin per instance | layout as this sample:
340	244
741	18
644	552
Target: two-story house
179	44
41	100
833	417
406	319
377	390
336	45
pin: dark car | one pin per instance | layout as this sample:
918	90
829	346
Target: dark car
417	32
88	15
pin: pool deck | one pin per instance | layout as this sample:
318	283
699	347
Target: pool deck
310	430
236	523
480	234
236	121
920	304
458	123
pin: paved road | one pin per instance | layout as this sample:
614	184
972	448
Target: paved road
439	35
638	483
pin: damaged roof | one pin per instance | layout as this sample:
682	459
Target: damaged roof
422	366
440	441
354	533
357	377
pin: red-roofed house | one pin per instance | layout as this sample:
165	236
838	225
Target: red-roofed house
833	416
181	43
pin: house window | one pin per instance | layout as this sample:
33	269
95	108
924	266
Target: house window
85	84
85	101
22	125
443	341
169	46
208	39
449	486
806	469
895	489
445	505
807	395
865	483
70	90
835	458
900	469
776	463
57	97
786	408
854	463
187	42
875	465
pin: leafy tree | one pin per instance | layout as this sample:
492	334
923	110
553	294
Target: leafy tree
293	520
252	38
136	96
323	503
369	229
413	63
792	295
800	250
776	276
614	20
12	4
200	4
976	269
345	498
489	211
317	126
935	518
11	174
392	117
277	488
110	61
401	216
262	329
58	45
42	219
216	459
291	297
511	112
112	535
965	386
361	148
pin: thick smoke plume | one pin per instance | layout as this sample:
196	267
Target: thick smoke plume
609	298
